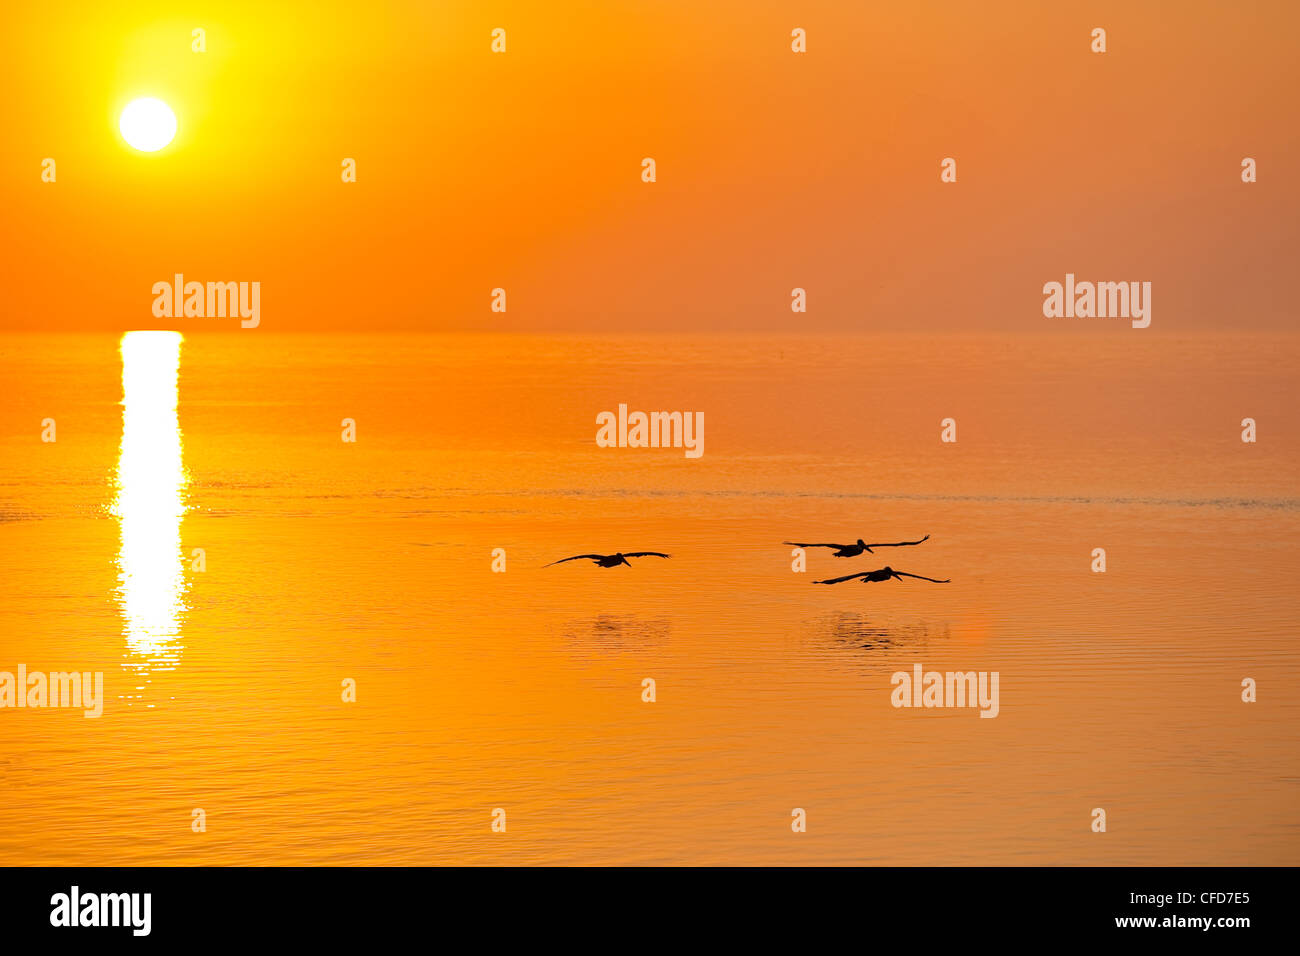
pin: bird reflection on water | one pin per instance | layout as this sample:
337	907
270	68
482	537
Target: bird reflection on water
616	634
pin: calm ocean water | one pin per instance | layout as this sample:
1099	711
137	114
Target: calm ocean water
371	560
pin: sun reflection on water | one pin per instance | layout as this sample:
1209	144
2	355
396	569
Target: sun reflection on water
149	505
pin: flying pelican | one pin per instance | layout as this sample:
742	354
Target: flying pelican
853	550
884	574
612	560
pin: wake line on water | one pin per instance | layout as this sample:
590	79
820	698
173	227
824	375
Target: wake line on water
266	509
1273	504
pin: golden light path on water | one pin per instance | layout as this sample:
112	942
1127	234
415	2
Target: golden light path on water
149	505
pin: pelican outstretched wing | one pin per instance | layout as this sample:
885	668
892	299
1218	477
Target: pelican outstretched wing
847	577
645	554
577	557
807	544
904	574
898	544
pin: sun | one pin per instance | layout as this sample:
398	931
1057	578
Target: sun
148	124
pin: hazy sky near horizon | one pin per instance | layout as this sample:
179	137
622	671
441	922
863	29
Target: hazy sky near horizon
775	170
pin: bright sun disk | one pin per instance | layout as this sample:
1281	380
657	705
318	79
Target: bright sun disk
148	124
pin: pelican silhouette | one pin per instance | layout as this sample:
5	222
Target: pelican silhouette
612	560
853	550
884	574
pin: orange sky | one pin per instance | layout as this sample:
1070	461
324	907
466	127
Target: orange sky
775	170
